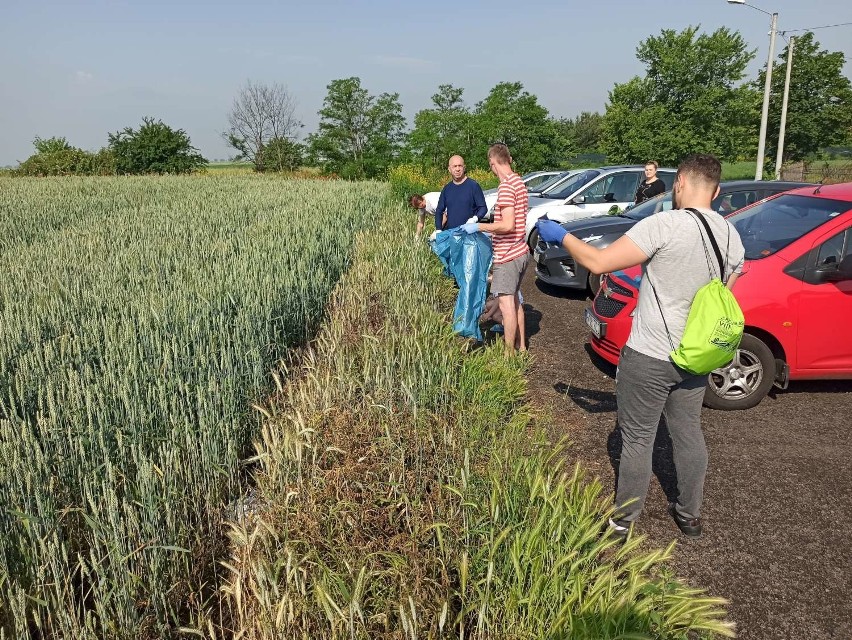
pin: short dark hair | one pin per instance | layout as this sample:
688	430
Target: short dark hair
703	167
500	152
415	200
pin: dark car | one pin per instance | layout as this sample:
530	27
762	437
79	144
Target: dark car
555	266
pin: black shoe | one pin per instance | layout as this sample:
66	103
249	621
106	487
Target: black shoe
688	526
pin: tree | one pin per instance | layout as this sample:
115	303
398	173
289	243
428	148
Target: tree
443	130
51	145
819	113
359	135
586	130
281	154
688	101
514	117
260	114
154	148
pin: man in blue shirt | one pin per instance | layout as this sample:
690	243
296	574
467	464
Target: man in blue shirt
462	199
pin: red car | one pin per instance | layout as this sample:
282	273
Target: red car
795	293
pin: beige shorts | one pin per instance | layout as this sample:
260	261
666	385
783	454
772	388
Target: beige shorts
506	278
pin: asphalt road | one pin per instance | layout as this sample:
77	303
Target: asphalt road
778	497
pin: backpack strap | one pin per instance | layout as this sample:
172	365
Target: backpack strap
718	253
660	307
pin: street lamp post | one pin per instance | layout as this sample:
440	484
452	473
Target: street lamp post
761	143
779	159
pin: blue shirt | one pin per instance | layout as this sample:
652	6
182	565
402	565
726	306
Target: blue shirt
461	201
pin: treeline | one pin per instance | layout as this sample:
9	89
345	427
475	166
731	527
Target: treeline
152	148
693	96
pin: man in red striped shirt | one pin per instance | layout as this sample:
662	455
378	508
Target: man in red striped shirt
510	249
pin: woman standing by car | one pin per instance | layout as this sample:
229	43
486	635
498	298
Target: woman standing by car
651	186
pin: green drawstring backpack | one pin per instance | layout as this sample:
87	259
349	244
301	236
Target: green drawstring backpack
714	326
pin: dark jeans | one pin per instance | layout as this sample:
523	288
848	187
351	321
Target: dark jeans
647	388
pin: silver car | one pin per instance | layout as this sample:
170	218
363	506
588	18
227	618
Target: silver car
589	193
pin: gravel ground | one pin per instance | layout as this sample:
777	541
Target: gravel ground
776	539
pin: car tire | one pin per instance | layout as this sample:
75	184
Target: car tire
746	381
533	240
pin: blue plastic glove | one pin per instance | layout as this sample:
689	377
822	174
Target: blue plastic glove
550	231
470	227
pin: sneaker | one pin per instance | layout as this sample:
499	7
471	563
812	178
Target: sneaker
688	526
619	529
497	328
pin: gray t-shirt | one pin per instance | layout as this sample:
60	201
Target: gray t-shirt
677	268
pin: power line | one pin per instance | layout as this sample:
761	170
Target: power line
826	26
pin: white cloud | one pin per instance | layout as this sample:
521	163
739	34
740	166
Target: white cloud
83	76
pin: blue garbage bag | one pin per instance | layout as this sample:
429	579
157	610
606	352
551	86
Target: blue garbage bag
467	258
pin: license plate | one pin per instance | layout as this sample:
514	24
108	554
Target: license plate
597	327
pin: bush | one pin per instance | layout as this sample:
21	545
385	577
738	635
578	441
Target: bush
408	179
55	157
154	148
280	154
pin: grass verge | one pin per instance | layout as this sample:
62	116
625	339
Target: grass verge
403	492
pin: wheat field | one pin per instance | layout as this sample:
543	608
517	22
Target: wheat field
139	319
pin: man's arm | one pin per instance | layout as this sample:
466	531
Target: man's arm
440	219
621	254
506	224
421	221
732	279
479	206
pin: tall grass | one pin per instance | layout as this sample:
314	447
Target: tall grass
403	492
138	320
743	170
408	179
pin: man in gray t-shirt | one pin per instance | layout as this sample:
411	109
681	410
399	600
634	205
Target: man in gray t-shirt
676	262
678	267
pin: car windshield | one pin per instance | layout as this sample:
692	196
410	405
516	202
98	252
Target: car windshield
571	185
770	226
662	202
551	180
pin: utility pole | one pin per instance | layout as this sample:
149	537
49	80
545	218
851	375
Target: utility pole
761	144
779	159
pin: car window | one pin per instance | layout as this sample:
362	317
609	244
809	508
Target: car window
668	178
734	201
662	202
833	250
615	187
544	185
770	226
572	184
535	181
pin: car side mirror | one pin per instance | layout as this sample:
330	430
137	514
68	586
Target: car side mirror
840	272
578	200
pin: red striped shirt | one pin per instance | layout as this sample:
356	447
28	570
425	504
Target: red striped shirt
512	192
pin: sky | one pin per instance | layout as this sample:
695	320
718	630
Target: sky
81	69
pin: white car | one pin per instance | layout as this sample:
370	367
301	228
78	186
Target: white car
537	182
534	180
588	193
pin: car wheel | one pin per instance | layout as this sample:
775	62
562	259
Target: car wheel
533	241
743	383
594	283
